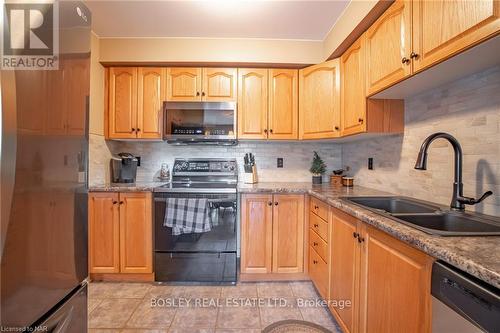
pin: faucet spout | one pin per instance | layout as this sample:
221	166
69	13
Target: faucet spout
421	164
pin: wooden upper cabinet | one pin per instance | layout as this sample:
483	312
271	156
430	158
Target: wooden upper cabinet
122	97
256	233
31	100
442	28
136	249
344	268
104	233
395	285
319	101
288	233
283	104
219	84
76	90
184	84
353	89
252	103
150	97
388	47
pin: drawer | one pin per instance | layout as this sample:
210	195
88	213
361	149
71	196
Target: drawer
319	208
319	225
318	271
318	244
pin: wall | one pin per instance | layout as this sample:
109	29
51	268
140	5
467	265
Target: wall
297	157
210	50
99	153
469	109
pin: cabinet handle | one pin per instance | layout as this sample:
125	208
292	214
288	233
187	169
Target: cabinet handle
315	262
360	120
197	93
203	94
355	234
414	55
265	130
121	202
316	225
316	207
138	130
337	128
133	129
405	60
115	202
360	239
276	203
271	130
269	203
315	244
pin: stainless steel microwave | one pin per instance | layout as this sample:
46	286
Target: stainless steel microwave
200	123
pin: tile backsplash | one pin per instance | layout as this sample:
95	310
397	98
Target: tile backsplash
468	109
296	156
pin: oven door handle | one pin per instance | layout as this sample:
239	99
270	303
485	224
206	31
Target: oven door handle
209	200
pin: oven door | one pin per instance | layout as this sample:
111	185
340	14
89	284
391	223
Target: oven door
222	236
199	121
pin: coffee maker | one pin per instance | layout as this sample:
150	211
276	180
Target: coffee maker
124	168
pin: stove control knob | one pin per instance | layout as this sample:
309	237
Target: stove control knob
231	167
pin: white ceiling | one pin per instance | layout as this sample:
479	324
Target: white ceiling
305	20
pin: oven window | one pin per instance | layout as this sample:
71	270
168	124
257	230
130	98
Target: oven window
222	211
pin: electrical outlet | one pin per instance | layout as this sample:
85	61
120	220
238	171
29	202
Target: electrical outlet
138	160
280	162
370	163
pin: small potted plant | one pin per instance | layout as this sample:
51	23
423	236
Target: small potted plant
318	168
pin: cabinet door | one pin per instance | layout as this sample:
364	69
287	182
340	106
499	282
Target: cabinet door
252	103
395	285
344	268
150	97
219	84
283	100
388	41
76	90
288	234
353	89
122	102
32	88
442	28
256	233
184	84
136	235
319	101
104	233
56	119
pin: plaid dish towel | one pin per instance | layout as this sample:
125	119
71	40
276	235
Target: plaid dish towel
186	216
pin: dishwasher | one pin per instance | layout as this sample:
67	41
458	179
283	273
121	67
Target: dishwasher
462	303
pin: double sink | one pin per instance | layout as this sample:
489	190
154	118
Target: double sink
430	218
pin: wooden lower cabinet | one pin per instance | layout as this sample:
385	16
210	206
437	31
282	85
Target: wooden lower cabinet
272	233
120	233
383	282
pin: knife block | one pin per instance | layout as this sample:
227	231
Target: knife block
250	177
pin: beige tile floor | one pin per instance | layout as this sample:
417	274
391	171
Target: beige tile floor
127	307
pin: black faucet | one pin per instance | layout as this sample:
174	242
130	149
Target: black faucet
458	201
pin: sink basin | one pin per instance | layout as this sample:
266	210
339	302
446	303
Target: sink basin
430	218
452	223
394	205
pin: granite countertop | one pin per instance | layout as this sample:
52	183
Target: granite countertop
132	187
478	256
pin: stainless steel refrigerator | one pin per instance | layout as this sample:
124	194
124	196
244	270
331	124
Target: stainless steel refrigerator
44	151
